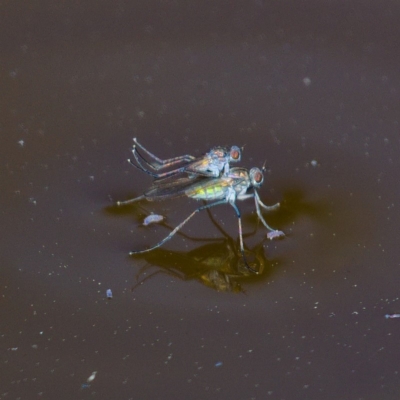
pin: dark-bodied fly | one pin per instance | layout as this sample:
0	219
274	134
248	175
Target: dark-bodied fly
211	164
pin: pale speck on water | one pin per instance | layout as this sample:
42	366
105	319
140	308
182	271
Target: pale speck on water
387	316
92	377
153	219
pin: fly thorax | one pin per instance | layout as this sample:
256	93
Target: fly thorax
214	169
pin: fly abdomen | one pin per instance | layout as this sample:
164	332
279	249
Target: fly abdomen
211	192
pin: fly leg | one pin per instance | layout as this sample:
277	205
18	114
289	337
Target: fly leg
158	162
232	203
154	175
273	233
224	201
123	203
189	167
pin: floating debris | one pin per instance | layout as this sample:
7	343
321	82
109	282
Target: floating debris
314	163
218	364
392	316
109	294
21	143
91	377
85	386
152	219
275	235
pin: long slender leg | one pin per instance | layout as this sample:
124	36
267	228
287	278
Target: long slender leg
122	203
259	212
241	236
185	168
224	201
164	163
273	234
268	208
139	158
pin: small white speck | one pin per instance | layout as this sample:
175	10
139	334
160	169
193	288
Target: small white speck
153	218
91	377
109	294
392	316
307	81
218	364
314	163
21	142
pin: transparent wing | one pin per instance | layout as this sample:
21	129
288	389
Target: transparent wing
171	187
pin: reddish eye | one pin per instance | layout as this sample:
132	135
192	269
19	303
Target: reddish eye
258	177
235	154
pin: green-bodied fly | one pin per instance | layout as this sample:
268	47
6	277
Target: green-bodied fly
237	184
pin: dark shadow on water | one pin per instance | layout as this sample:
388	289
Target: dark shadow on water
217	265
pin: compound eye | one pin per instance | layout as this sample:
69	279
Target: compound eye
235	153
258	177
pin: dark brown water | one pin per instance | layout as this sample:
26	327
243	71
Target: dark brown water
313	89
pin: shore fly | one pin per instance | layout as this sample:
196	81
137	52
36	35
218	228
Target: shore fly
238	184
211	164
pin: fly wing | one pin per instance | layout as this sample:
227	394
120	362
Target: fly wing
206	166
172	187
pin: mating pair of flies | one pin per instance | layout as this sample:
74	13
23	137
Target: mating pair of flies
209	178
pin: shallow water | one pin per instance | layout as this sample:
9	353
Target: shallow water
312	90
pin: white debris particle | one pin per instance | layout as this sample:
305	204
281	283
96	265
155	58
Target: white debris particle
109	294
218	364
275	235
151	219
392	316
314	163
307	81
92	377
21	142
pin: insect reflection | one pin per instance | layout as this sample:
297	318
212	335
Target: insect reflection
217	265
